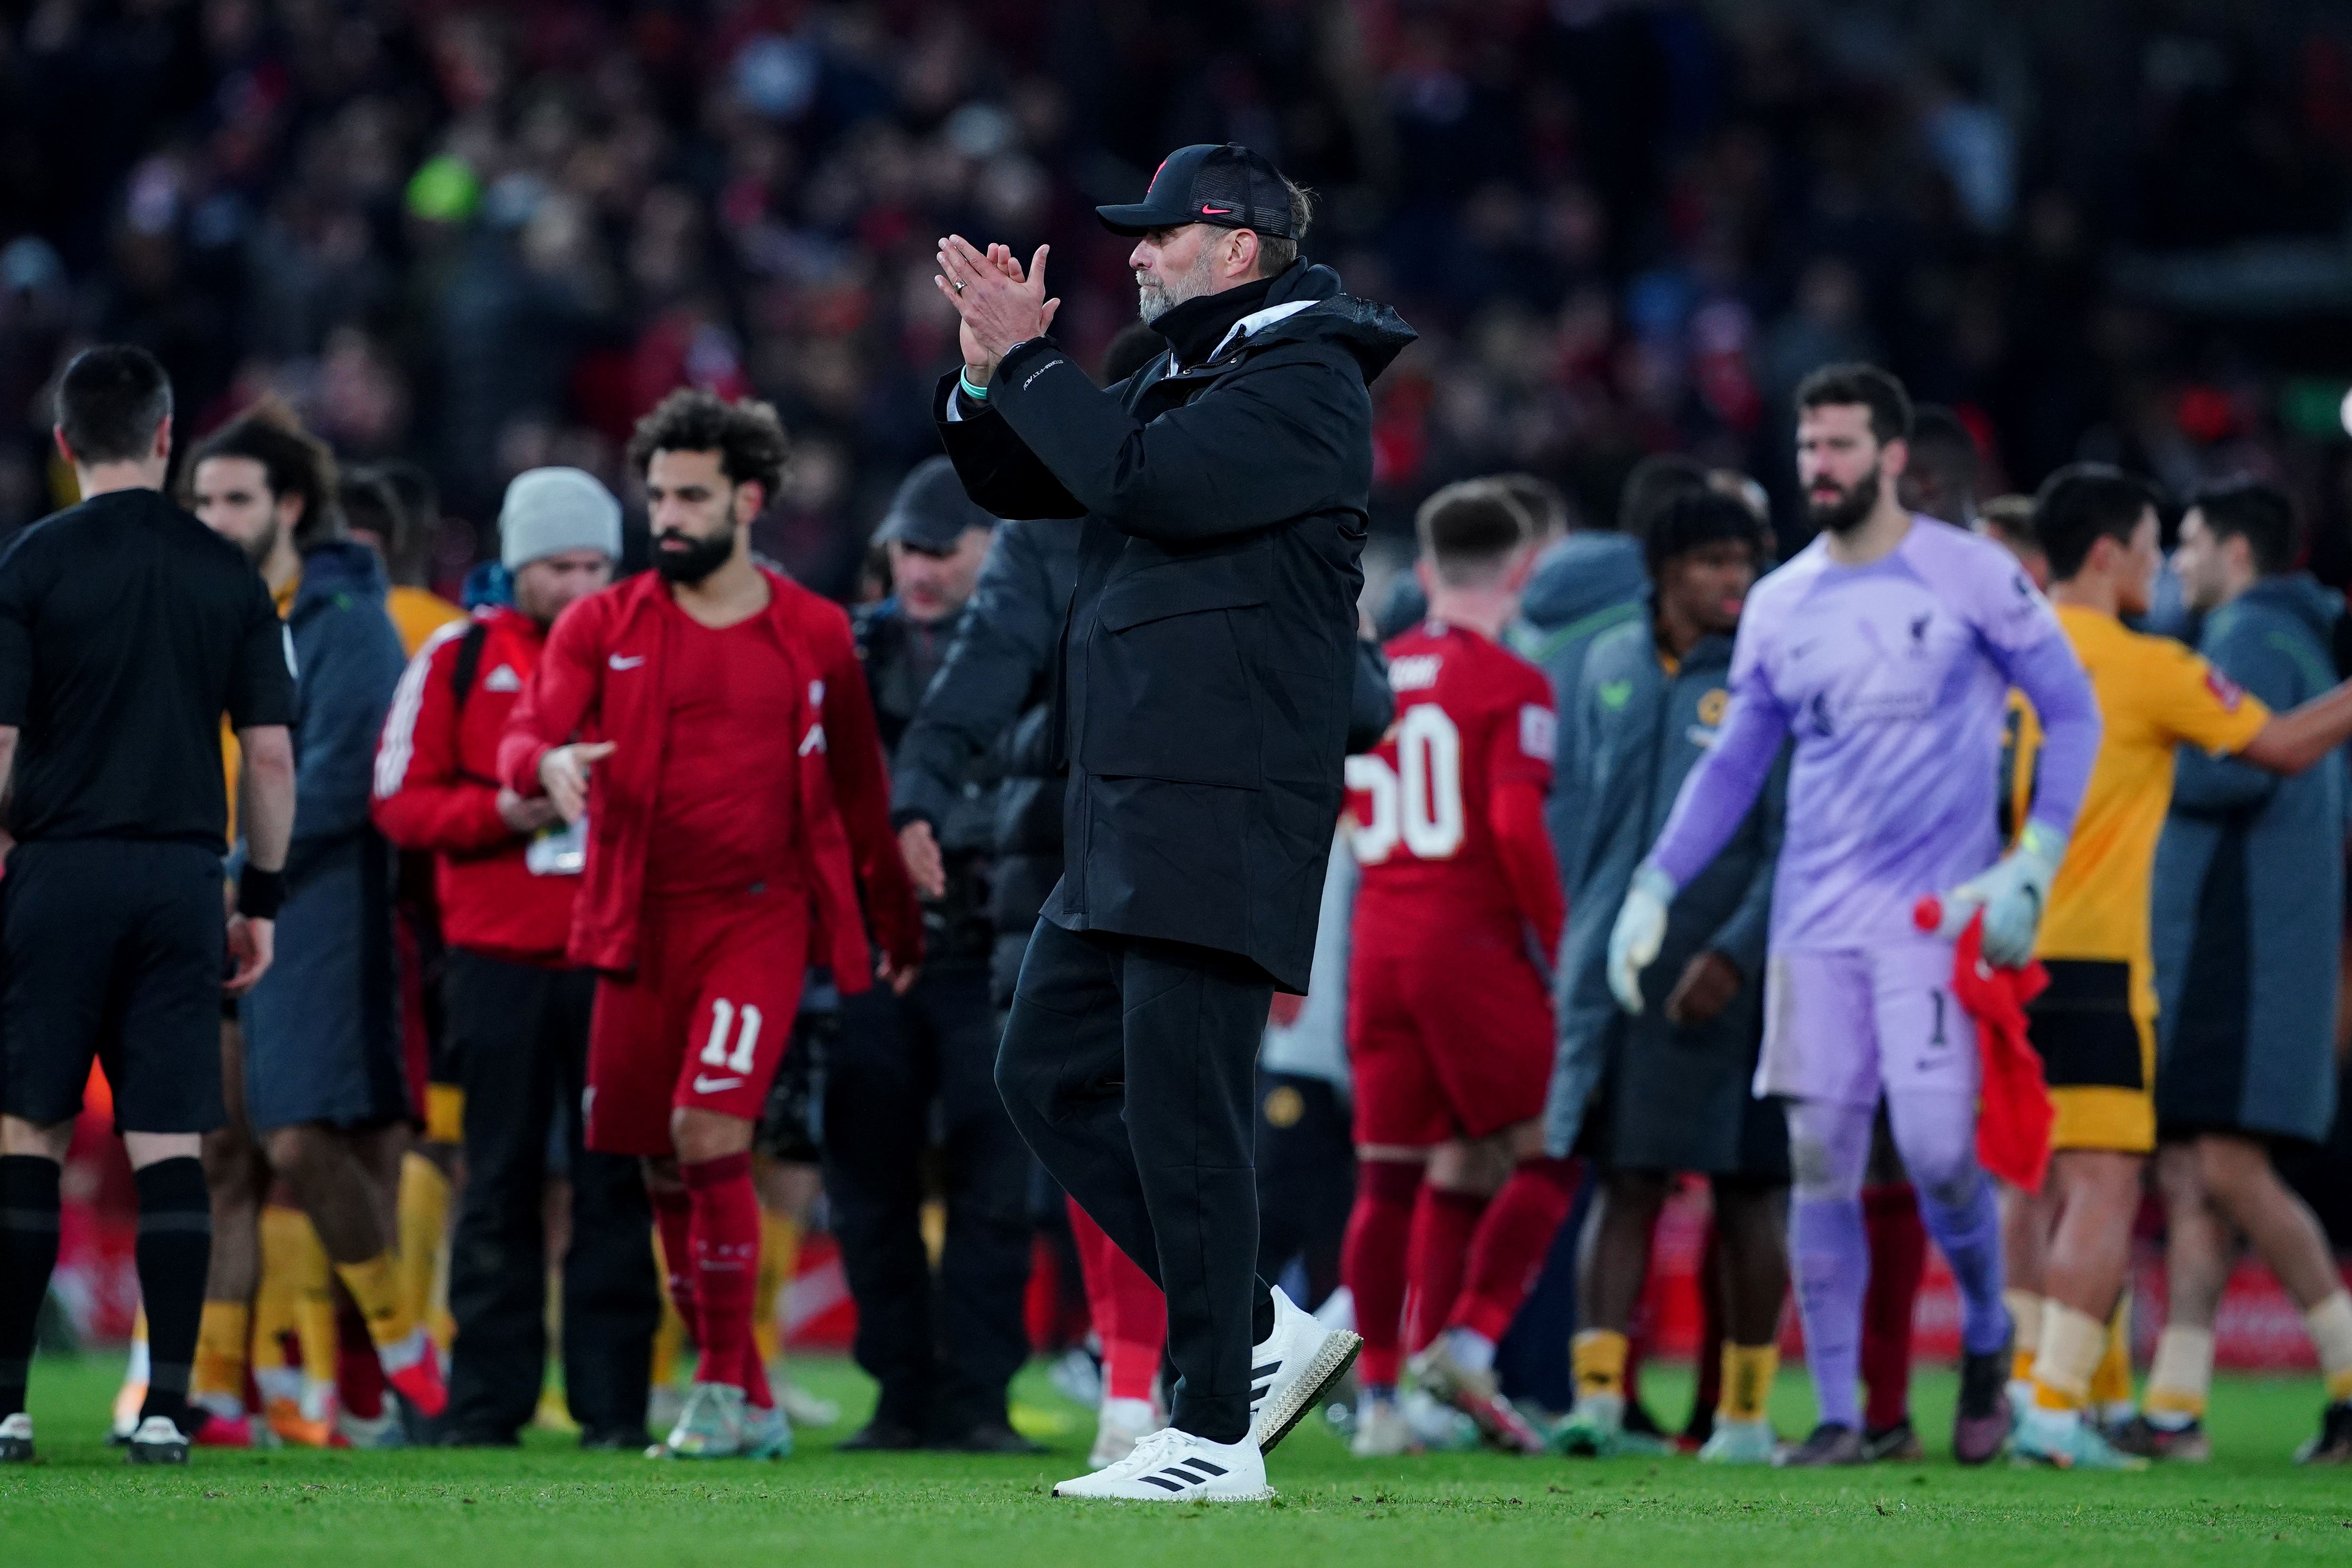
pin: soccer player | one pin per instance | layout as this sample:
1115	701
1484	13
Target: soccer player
1884	648
2094	1027
326	1094
737	808
2247	981
1449	1023
1654	1096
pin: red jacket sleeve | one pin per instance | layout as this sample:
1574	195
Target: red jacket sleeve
424	799
556	699
861	791
1524	845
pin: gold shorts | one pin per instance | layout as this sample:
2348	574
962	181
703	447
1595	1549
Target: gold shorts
2098	1053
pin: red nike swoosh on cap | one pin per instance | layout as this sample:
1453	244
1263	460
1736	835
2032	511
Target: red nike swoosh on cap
1220	212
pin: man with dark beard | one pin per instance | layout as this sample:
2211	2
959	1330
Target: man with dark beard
710	721
1886	650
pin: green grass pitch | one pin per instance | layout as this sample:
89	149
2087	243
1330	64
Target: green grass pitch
551	1504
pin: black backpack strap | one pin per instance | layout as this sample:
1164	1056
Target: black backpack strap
470	661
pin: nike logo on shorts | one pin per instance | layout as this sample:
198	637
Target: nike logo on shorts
619	662
706	1085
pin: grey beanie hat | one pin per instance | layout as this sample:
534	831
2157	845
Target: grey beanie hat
551	510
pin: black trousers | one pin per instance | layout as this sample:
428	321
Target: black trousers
1129	1063
907	1072
520	1038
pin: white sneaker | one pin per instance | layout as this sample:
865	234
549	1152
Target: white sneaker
1293	1369
800	1406
710	1428
16	1440
384	1432
1382	1430
1121	1425
1174	1466
158	1441
1739	1443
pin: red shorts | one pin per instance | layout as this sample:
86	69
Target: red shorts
1451	1038
703	1022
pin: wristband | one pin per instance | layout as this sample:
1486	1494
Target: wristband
260	895
977	394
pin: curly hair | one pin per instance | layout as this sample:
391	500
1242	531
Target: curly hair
293	463
747	436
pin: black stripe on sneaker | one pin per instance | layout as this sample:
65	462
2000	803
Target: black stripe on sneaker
1162	1485
1180	1473
1268	1370
1199	1463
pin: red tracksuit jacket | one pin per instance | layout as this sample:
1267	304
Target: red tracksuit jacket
844	797
436	789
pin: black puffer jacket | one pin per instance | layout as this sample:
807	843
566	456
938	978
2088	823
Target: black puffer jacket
1208	665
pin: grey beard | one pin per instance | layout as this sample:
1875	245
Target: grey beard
1845	513
1152	303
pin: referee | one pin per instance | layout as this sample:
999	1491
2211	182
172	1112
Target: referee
127	629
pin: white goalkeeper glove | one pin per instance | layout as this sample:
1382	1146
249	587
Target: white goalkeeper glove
1640	931
2012	893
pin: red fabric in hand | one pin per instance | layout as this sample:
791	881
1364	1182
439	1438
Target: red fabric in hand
2014	1114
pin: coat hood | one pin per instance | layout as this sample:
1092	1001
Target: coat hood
1374	334
2300	595
1591	570
333	568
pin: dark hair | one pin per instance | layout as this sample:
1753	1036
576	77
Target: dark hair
2082	503
1136	346
420	517
293	463
1546	507
2256	512
747	436
110	401
1941	440
1277	252
1854	382
1652	486
1702	517
1469	525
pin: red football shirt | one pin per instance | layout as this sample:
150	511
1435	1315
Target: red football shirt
1471	716
723	814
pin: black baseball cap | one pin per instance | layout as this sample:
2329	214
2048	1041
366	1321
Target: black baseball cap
1228	186
931	511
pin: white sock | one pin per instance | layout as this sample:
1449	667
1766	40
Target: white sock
1471	1351
2331	1335
405	1352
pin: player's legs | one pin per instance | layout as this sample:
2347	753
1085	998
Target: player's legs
1751	1278
237	1178
1130	1319
1612	1266
1829	1251
1898	1258
1399	1118
2198	1250
1459	1181
2284	1232
2098	1193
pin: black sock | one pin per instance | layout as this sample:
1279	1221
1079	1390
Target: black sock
176	1249
1261	1311
28	1254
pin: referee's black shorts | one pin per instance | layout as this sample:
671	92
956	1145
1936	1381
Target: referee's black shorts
112	948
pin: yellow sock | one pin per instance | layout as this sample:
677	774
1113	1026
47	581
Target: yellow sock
445	1114
296	1297
1747	1373
2025	1331
2072	1344
423	1228
1597	1358
2111	1380
669	1334
374	1284
779	1254
223	1336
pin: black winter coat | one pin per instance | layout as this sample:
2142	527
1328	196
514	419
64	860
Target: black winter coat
1207	664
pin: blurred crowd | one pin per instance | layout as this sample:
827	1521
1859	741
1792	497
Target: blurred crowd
485	238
